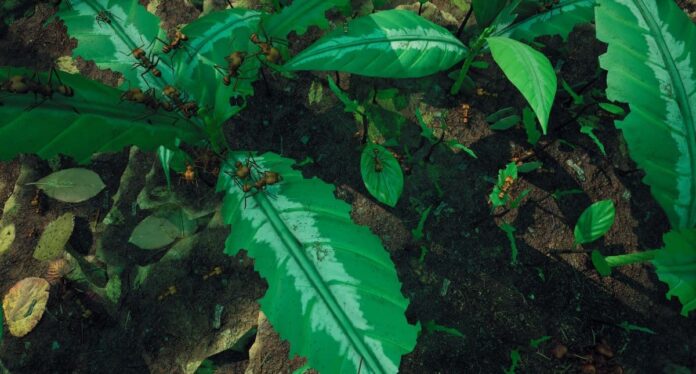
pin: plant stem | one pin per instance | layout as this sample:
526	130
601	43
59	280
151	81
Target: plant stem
631	258
473	52
464	22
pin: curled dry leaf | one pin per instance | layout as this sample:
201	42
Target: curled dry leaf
24	305
57	269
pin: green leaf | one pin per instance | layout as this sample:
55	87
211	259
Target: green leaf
594	222
675	265
515	359
153	233
381	174
109	43
54	237
600	263
535	343
350	105
529	167
530	126
500	114
589	131
530	71
486	10
333	291
434	327
510	233
612	108
559	20
418	231
299	16
211	39
71	185
93	120
506	123
388	44
631	327
658	81
316	93
577	99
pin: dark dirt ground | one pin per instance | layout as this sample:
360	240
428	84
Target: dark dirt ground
466	281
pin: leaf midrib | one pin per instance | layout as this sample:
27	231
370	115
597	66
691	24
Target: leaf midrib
680	96
537	16
305	264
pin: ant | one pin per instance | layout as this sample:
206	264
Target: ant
272	53
39	203
505	188
244	177
189	175
105	16
175	44
234	62
187	108
146	98
146	61
20	84
465	113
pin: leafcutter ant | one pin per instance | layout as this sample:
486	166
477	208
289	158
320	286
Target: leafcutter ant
145	61
271	53
505	188
20	84
104	16
187	108
176	43
189	175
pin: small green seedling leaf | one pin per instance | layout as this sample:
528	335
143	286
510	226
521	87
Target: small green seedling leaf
381	174
71	185
506	123
577	99
631	327
558	194
510	233
612	108
530	126
589	131
418	231
535	343
502	113
600	264
434	327
529	167
454	144
528	70
154	233
594	222
479	65
515	359
506	177
426	131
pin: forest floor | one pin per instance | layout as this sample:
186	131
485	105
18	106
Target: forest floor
464	282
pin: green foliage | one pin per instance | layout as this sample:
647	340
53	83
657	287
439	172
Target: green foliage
530	71
388	44
486	10
93	120
418	231
108	43
510	233
381	174
631	327
432	326
587	127
506	123
660	129
535	343
594	222
600	264
54	237
515	360
299	16
153	233
530	126
333	291
559	20
71	185
675	264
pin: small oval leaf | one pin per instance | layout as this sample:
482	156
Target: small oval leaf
154	233
594	222
54	238
388	44
24	305
530	71
71	185
381	174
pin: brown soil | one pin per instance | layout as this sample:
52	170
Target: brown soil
465	282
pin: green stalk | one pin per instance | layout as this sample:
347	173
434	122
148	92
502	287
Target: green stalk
473	52
631	258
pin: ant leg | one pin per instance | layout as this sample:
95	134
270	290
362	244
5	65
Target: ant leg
161	41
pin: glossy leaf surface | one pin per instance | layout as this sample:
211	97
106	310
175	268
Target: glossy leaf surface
93	120
388	44
594	222
71	185
108	30
333	290
559	20
530	71
381	174
299	16
651	65
486	10
676	265
211	39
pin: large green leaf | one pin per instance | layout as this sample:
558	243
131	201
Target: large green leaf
530	71
333	291
594	222
93	120
109	44
676	266
381	174
211	39
299	16
651	64
559	20
73	185
388	44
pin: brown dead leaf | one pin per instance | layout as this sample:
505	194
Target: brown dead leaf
24	305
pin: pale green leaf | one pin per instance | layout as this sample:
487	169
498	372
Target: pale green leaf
71	185
153	233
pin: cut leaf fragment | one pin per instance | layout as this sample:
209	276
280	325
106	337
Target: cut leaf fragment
24	305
